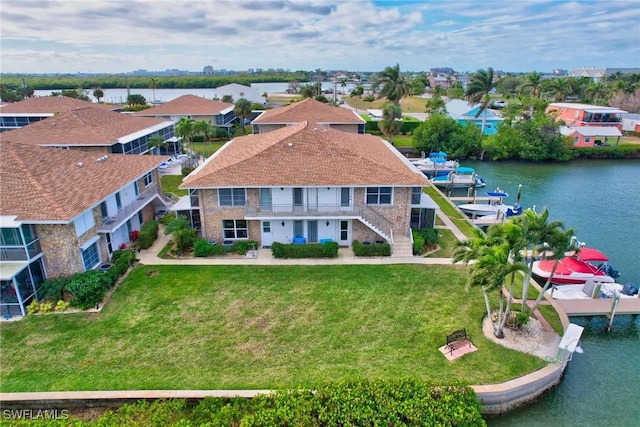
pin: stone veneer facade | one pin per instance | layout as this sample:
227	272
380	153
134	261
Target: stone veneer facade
397	216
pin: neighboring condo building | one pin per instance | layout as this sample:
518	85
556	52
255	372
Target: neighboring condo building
99	131
307	183
309	110
66	211
31	110
464	113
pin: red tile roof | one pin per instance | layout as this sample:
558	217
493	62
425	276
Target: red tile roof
85	126
305	155
310	110
43	184
48	105
187	105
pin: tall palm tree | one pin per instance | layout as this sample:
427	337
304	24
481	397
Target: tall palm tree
394	86
560	88
537	230
596	92
478	89
153	85
559	243
391	122
532	84
156	141
184	129
204	128
242	109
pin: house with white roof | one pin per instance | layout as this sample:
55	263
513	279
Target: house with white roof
237	91
464	113
587	124
66	211
309	183
193	107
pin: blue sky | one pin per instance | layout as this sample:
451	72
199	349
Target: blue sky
69	36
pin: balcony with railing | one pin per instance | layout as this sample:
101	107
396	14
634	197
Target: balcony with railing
20	253
112	223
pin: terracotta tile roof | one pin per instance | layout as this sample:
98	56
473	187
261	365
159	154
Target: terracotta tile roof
86	126
45	184
310	110
187	105
305	155
46	105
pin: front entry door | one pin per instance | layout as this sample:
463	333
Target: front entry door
345	232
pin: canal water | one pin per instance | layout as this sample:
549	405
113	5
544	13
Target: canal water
600	200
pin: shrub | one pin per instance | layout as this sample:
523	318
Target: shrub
53	289
517	319
242	246
184	239
309	250
148	234
186	170
88	288
61	306
418	243
168	218
202	248
423	239
378	249
34	307
128	255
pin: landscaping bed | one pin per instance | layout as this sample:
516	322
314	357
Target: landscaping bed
250	327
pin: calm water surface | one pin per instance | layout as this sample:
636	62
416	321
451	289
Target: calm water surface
600	200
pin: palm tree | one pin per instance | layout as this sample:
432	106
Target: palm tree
369	98
391	122
204	128
478	89
265	95
343	84
98	94
242	109
531	84
560	89
559	243
537	230
153	85
184	129
596	92
492	266
394	85
155	142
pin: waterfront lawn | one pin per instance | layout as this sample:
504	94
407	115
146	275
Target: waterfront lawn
447	242
254	327
445	206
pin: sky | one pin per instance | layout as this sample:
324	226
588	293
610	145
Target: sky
112	36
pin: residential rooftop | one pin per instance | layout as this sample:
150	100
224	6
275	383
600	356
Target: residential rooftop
188	105
43	184
306	154
49	106
84	126
309	110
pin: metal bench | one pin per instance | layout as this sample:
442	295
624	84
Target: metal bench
458	339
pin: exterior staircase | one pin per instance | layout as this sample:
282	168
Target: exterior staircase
374	228
402	247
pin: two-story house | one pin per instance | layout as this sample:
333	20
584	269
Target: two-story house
99	131
465	114
18	114
66	211
588	125
306	183
309	110
193	107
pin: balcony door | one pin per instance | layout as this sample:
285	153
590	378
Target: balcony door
312	199
298	199
345	199
265	199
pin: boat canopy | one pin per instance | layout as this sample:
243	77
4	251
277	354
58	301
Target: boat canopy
438	155
497	194
592	254
465	170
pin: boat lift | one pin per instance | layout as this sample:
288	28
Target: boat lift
569	343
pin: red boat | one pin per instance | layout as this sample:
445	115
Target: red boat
577	269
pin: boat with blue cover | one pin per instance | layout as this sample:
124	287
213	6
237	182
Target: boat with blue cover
436	164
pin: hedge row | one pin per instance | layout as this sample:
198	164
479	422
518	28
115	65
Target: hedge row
377	249
400	402
148	234
613	152
203	248
88	288
309	250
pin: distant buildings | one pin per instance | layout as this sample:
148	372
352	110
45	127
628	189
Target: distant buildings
588	125
597	74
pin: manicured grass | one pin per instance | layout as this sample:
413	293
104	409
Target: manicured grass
403	141
447	242
239	327
170	184
445	206
206	149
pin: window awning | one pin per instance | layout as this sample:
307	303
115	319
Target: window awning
8	270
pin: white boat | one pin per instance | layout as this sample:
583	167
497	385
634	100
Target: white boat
495	208
593	290
463	177
436	164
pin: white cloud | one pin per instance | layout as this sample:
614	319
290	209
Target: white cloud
124	35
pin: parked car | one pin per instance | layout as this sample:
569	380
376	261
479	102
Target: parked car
499	104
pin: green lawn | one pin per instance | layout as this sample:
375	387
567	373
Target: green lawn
239	327
170	184
447	242
445	206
